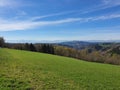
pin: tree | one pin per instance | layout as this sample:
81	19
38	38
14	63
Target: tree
27	46
32	47
2	42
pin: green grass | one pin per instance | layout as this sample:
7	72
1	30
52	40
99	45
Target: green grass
22	70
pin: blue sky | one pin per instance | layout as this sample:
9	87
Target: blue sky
60	19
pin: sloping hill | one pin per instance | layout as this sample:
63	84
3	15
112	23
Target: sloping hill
22	70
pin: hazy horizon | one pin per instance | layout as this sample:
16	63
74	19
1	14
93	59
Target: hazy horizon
58	41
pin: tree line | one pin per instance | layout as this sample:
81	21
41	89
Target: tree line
95	54
45	48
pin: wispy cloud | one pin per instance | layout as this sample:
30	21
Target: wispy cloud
55	14
23	25
10	25
67	20
111	3
105	4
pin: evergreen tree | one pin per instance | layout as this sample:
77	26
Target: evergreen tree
27	46
32	47
2	42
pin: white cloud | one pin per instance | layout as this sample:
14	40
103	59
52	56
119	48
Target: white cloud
55	14
10	25
23	25
112	16
105	4
110	3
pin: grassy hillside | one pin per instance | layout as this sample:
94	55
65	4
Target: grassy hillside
22	70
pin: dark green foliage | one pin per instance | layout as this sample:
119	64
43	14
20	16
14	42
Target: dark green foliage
32	47
27	46
47	48
2	42
97	47
115	50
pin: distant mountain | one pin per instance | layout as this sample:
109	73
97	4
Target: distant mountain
89	45
77	44
105	41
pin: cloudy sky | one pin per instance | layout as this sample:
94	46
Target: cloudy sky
60	19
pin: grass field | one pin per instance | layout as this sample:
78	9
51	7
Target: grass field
22	70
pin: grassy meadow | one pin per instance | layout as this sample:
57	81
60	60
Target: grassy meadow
23	70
